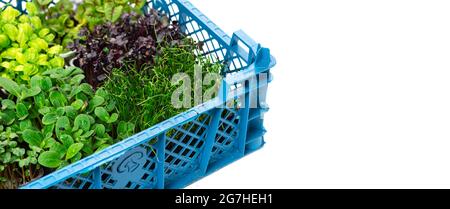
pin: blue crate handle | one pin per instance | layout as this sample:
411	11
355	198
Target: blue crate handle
257	53
259	57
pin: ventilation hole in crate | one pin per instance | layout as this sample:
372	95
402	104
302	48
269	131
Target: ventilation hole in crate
177	162
153	166
169	172
200	144
112	181
147	163
194	142
178	149
169	159
192	155
221	140
170	146
201	131
129	184
187	139
145	176
186	152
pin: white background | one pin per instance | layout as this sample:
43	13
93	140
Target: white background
360	97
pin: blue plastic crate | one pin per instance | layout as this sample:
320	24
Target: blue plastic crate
195	143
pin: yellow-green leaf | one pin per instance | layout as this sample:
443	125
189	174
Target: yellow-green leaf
9	14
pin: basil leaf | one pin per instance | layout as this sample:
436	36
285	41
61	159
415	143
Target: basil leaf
33	138
73	150
22	111
49	159
10	86
57	99
82	122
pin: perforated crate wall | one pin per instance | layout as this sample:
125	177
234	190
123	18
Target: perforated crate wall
196	143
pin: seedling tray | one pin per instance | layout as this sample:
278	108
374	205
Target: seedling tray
196	143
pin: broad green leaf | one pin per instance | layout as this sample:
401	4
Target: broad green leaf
44	32
48	130
36	22
31	55
85	88
30	70
116	13
66	140
33	138
49	38
60	149
102	114
31	92
88	134
106	9
46	84
88	149
10	53
40	101
8	117
22	111
24	19
62	125
49	142
60	111
39	44
31	8
76	80
72	71
45	110
11	31
77	157
58	99
49	118
71	112
57	62
125	129
42	60
4	41
77	104
101	92
114	117
77	135
63	18
95	102
122	129
21	59
100	130
8	104
73	150
35	81
82	122
50	159
10	86
26	124
24	33
66	88
54	50
92	119
9	14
